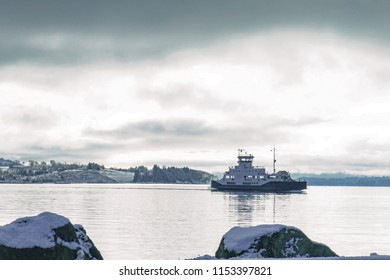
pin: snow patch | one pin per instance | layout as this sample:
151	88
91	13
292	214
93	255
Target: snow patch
239	239
32	232
71	245
291	246
84	242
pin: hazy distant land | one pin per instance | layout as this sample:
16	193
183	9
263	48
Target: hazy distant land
348	181
33	172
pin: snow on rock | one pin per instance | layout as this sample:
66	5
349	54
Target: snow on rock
239	239
270	241
45	236
32	232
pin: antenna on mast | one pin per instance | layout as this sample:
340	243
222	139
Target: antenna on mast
274	161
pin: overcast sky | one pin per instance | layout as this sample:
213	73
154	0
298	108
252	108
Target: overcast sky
187	83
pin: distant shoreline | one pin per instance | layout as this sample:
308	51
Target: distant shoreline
139	175
356	181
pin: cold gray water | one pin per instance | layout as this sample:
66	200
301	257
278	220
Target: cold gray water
184	221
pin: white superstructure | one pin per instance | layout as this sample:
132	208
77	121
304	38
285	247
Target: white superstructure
249	177
246	174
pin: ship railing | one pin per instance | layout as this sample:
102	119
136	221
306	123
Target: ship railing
243	152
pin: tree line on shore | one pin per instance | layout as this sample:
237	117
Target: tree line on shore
164	174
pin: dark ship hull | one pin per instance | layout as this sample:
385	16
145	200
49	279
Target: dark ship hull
274	186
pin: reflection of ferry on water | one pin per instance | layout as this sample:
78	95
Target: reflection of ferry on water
245	177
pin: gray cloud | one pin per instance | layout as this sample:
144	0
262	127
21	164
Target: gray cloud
138	17
176	134
176	94
155	128
187	95
131	30
366	147
31	118
92	151
353	163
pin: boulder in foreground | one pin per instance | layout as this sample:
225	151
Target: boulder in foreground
270	241
47	236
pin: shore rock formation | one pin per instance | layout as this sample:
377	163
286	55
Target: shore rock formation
270	241
47	236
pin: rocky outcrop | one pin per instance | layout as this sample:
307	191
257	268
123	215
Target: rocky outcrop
270	241
47	236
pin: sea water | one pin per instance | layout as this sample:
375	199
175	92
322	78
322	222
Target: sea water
133	221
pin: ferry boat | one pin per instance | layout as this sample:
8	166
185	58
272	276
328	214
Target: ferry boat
245	177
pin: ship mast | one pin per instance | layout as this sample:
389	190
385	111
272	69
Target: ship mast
274	161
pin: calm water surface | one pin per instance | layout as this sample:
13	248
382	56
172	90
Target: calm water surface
184	221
